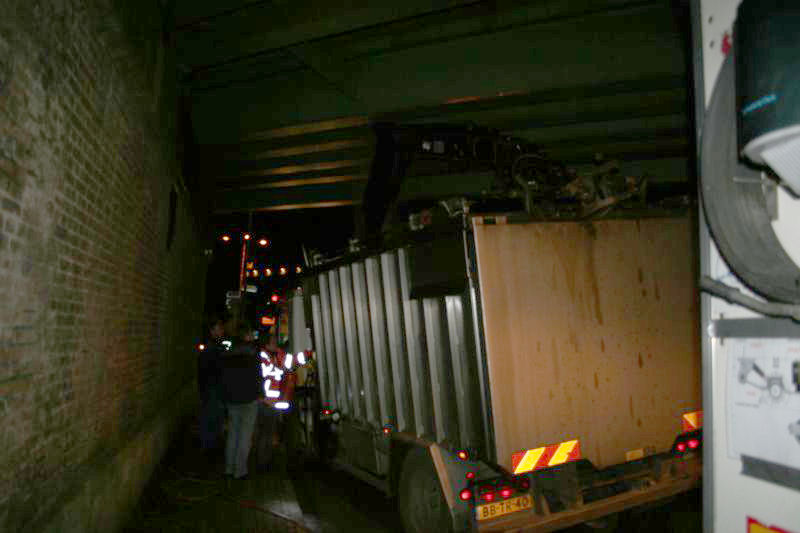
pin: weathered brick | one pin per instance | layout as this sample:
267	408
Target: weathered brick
83	188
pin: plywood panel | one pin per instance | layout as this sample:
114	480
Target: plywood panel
591	333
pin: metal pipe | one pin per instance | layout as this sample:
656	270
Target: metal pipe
734	295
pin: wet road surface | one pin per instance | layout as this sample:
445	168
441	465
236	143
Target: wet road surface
189	493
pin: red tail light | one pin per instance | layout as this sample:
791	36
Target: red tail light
386	430
470	475
689	441
487	493
465	495
506	492
524	483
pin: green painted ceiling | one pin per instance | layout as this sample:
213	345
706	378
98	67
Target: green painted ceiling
282	92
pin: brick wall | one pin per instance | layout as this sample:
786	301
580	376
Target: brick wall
98	317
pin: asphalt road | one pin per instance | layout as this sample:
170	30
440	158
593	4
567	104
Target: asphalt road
189	493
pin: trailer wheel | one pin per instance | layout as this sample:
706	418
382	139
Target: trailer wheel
420	500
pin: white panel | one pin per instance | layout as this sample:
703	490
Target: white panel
786	227
736	497
718	17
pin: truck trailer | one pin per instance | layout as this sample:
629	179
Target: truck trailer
510	373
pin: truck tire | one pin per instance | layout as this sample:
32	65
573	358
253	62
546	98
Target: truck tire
420	500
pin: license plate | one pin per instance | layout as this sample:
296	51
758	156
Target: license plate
488	511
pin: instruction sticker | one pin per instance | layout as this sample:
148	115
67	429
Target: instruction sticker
764	400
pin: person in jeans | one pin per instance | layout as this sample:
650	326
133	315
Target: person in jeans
241	383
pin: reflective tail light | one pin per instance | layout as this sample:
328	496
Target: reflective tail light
465	495
687	442
506	492
487	493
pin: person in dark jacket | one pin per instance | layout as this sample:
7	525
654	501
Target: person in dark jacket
241	383
209	371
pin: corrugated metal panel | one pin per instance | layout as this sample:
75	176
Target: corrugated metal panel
383	367
367	354
351	339
341	347
462	352
299	340
327	333
397	348
441	370
408	362
321	351
417	355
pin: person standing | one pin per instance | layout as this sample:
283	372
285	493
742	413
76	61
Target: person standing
241	383
212	409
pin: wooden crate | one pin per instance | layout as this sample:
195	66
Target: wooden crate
591	334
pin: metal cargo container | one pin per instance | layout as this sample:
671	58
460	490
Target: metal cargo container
494	347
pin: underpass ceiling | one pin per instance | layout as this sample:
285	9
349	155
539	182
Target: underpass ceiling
283	93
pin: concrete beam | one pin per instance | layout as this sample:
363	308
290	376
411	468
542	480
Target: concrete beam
302	197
